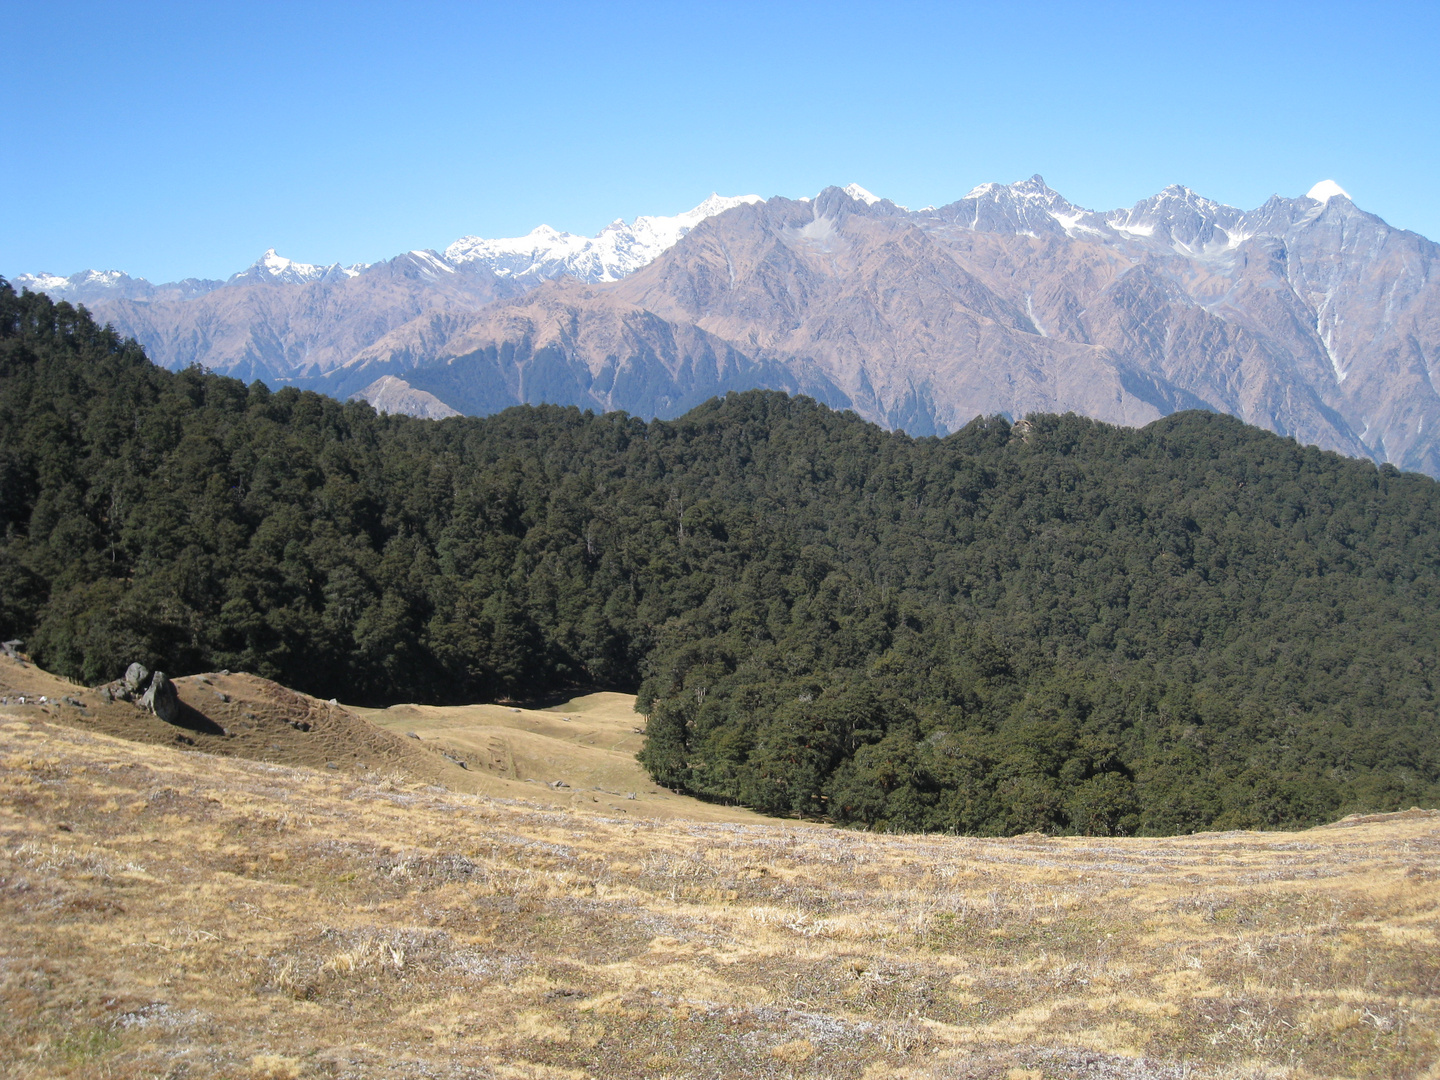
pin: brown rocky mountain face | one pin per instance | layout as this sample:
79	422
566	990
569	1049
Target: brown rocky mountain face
392	395
1306	316
570	343
913	336
282	332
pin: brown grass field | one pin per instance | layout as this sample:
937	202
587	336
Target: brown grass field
181	909
587	744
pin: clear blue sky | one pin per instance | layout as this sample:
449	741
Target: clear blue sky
175	140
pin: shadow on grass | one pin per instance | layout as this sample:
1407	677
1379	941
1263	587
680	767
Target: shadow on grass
192	719
559	697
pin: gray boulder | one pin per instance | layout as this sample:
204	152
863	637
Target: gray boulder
161	698
137	675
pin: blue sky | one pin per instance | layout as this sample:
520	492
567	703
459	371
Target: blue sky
175	140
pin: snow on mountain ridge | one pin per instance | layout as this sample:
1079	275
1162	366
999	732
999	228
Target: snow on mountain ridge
1176	214
1176	217
47	282
1192	223
855	191
1029	207
54	283
272	267
612	253
1326	190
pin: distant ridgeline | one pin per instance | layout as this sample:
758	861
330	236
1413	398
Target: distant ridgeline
1059	625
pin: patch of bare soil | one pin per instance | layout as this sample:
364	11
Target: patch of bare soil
171	913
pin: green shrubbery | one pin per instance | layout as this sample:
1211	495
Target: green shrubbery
1069	626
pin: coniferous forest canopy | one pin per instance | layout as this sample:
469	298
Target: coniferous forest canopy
1061	625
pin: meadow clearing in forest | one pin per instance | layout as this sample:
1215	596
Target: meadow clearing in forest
166	912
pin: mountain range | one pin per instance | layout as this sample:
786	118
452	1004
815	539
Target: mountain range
1307	316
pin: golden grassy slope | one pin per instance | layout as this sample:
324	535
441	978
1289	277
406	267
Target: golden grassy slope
588	745
237	715
169	913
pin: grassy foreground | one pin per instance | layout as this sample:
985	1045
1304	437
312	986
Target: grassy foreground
168	913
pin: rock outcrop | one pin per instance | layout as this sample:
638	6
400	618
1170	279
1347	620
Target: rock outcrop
153	692
161	699
137	677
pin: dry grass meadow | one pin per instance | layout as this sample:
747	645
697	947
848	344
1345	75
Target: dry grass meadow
578	753
170	911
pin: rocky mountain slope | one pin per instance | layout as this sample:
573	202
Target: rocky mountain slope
284	321
1307	316
571	343
281	324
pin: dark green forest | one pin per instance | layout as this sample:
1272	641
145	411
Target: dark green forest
1058	625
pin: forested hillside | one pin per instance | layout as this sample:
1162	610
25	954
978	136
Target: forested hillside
1059	625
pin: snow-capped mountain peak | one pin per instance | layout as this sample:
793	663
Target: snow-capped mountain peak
1033	190
1178	214
1029	207
427	262
45	282
275	268
859	194
716	204
54	284
1326	190
617	250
